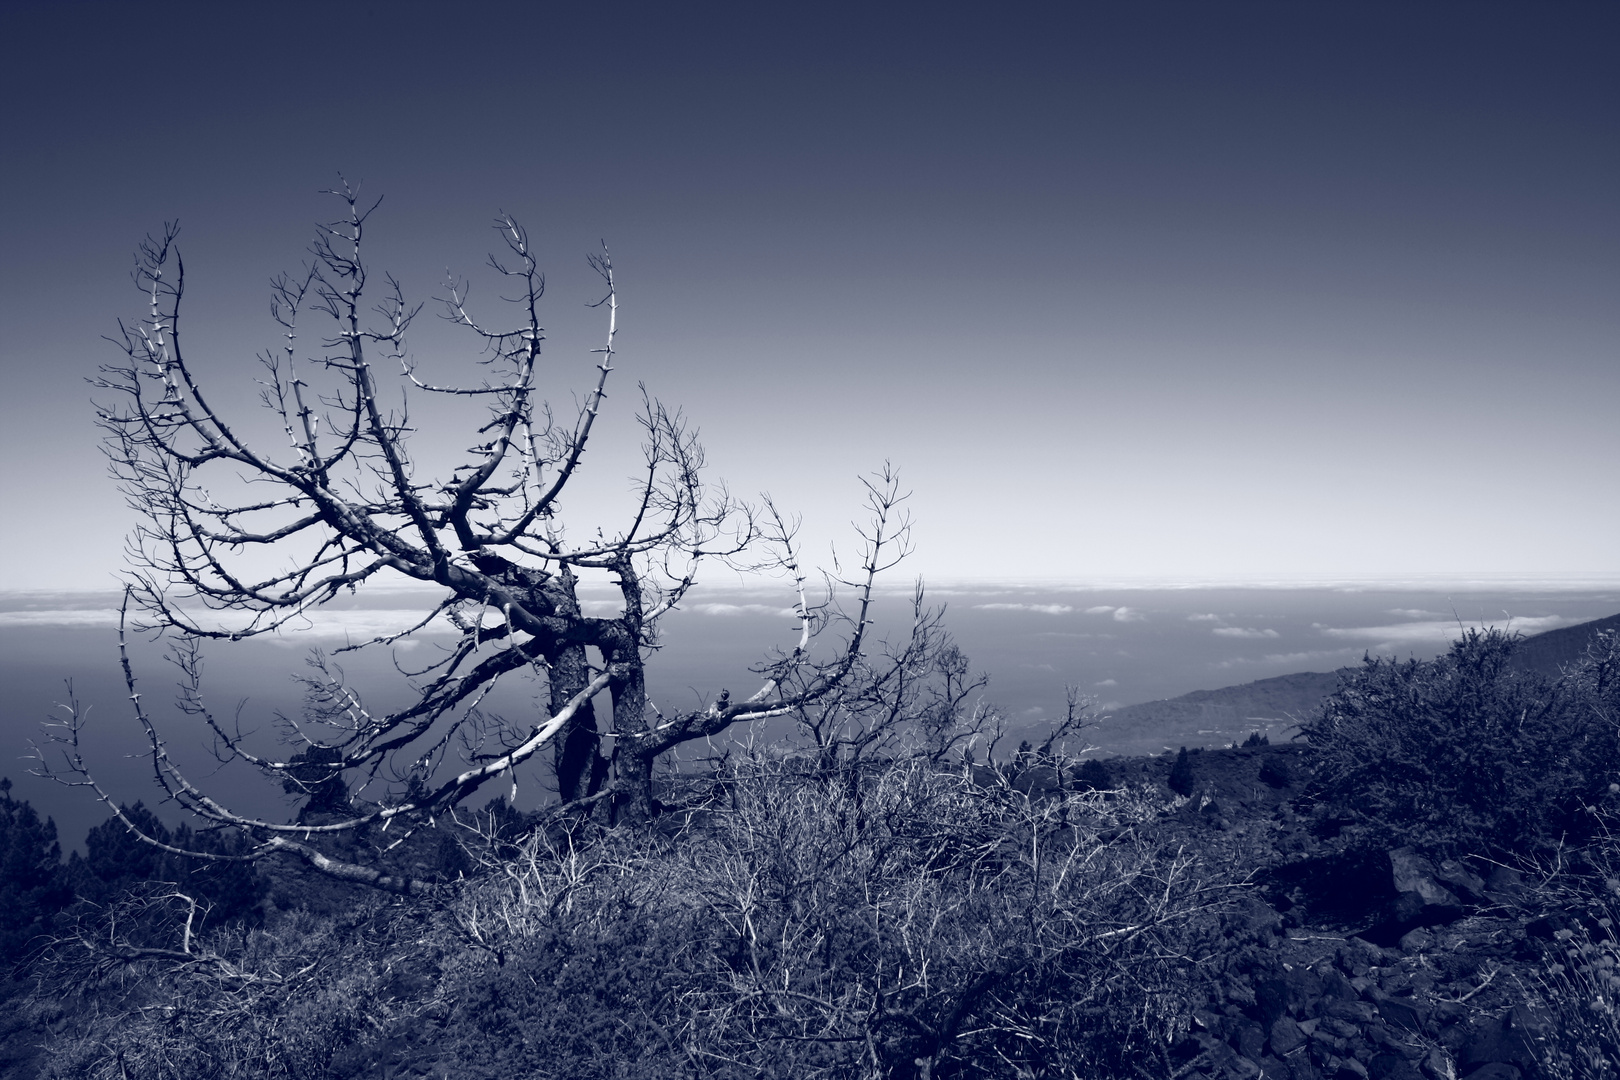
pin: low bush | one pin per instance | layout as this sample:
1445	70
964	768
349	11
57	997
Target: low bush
1466	754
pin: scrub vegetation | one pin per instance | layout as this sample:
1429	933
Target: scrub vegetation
911	911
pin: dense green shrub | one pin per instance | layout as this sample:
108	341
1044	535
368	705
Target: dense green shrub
1466	755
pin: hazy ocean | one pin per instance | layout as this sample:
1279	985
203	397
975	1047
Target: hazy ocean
1119	644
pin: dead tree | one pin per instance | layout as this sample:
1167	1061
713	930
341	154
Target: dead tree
240	539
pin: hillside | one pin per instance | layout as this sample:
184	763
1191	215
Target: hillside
1217	717
1548	653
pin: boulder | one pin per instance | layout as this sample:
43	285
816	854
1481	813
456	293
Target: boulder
1495	1040
1460	880
1286	1036
1420	898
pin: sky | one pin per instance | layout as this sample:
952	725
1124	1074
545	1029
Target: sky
1170	291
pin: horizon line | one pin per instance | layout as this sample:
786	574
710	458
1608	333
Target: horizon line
1495	580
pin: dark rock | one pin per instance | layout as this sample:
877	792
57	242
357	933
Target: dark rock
1437	1065
1336	987
1493	1039
1339	1027
1387	1066
1250	1040
1457	877
1449	1011
1272	1068
1288	993
1358	956
1420	897
1411	872
1506	886
1496	1070
1286	1036
1418	940
1359	1012
1300	1068
1404	1012
1325	1047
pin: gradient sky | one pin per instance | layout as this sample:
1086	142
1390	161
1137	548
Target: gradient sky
1161	290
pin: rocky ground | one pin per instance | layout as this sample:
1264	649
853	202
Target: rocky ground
1377	965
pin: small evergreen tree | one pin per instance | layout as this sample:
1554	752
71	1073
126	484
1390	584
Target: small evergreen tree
32	888
1182	780
1094	776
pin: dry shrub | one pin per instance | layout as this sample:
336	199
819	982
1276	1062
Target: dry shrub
897	920
893	918
300	998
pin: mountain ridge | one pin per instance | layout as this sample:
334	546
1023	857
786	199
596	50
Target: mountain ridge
1272	706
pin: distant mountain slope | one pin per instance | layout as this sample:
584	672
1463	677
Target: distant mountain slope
1271	706
1216	717
1547	653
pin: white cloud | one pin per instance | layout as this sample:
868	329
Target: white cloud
1107	682
1125	614
1337	657
1241	632
1438	632
362	624
355	624
80	617
1203	618
1414	613
1100	609
728	610
1041	609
